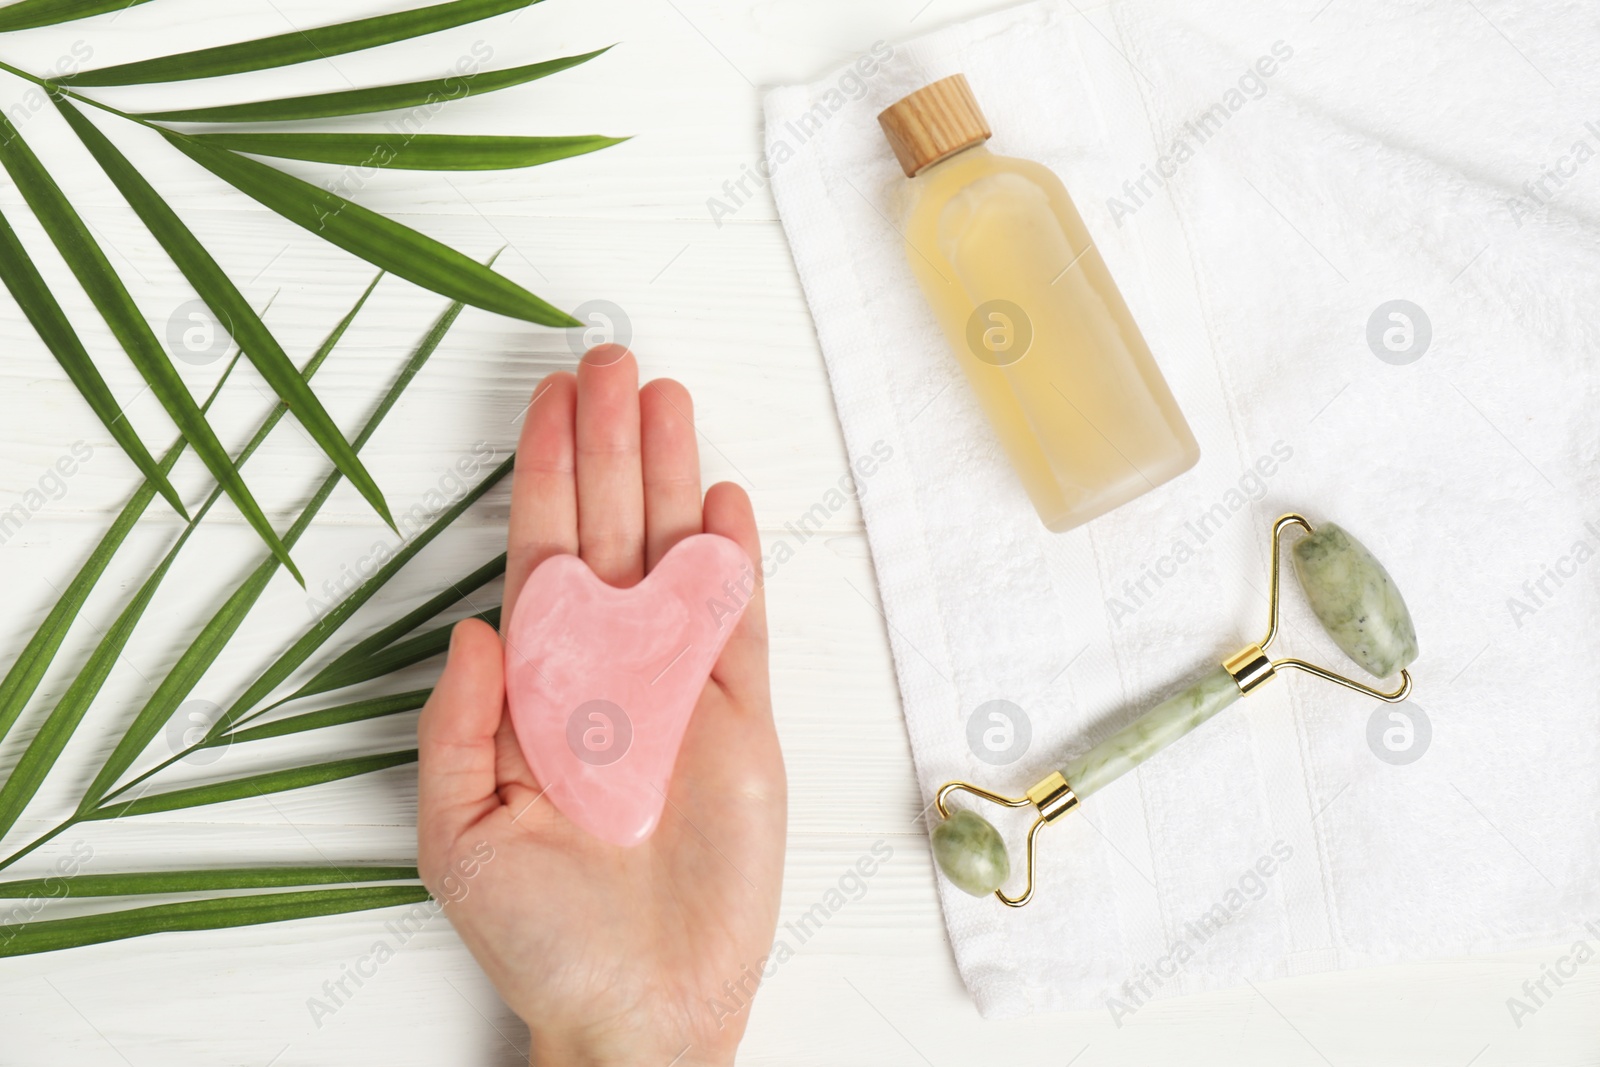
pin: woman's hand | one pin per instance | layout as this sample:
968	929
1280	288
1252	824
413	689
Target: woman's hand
610	955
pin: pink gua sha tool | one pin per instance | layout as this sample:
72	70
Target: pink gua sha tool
601	681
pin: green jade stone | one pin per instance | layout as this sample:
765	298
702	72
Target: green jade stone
1150	733
971	853
1355	600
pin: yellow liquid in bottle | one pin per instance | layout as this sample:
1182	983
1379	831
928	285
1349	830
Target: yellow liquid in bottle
1043	336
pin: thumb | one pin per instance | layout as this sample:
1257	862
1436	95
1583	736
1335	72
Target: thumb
456	740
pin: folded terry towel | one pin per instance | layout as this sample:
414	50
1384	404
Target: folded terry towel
1360	240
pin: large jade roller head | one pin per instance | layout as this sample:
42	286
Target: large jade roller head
1351	595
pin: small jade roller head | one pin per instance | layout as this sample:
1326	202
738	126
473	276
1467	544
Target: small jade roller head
1351	595
971	853
1355	600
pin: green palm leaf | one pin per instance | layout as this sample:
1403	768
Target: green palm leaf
144	883
33	296
379	98
378	240
224	298
46	745
254	785
411	151
365	648
52	737
110	297
203	651
217	914
300	46
398	656
220	628
30	14
355	711
318	635
22	679
199	656
40	755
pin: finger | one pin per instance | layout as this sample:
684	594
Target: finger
456	738
544	488
610	481
742	667
511	768
671	462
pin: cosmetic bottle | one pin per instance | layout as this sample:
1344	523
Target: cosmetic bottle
1040	330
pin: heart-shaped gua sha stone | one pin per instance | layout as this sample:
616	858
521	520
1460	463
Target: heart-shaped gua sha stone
601	681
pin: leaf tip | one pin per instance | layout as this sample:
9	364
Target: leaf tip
170	495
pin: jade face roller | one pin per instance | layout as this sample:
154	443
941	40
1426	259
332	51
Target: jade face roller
1354	599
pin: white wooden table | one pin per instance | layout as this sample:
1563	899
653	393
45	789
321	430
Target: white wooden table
717	307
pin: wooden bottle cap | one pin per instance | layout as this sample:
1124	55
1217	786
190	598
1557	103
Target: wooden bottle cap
933	123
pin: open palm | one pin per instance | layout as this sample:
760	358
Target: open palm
626	955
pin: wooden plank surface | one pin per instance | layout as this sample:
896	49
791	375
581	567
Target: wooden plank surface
717	307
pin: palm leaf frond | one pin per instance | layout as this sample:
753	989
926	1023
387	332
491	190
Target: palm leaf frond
220	913
378	98
31	14
224	298
411	151
57	729
22	679
110	297
51	739
364	649
231	156
366	234
302	650
215	634
33	296
298	46
100	806
146	883
376	238
255	785
396	657
340	715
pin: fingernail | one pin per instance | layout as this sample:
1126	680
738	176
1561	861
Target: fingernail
604	355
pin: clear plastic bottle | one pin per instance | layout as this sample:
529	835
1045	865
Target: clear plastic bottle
1037	324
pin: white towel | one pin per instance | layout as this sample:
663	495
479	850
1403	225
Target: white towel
1314	166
